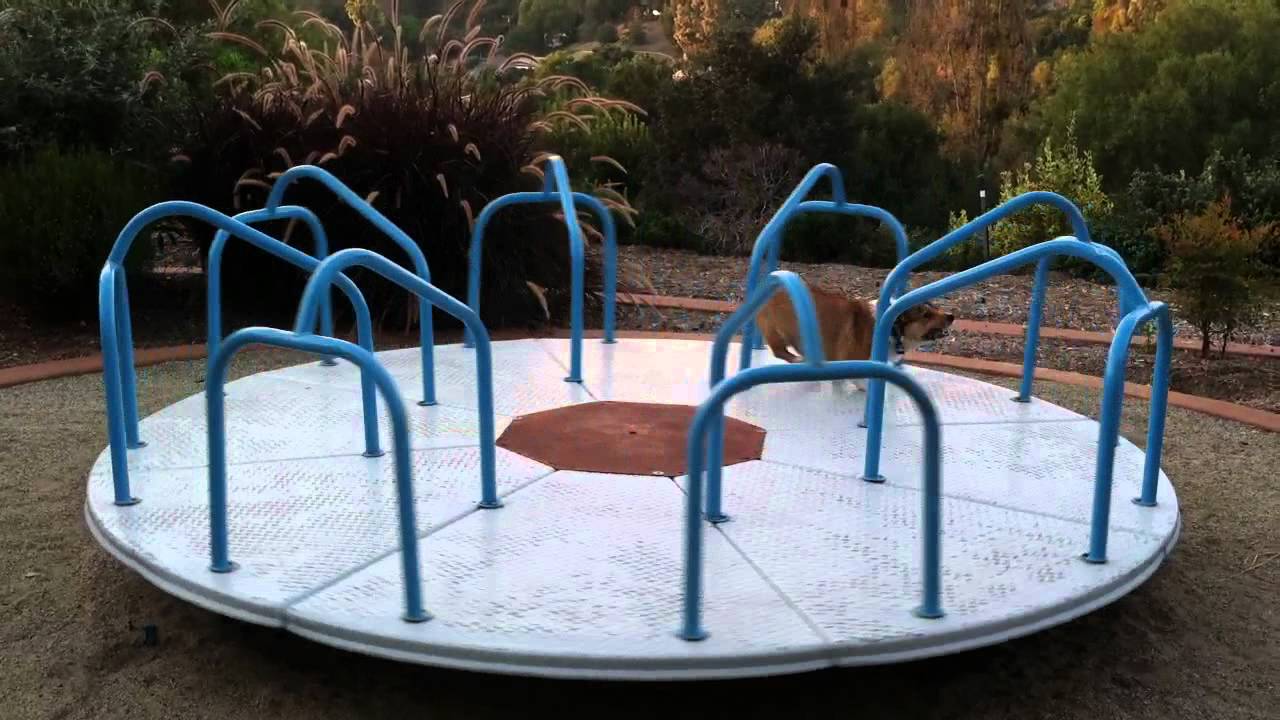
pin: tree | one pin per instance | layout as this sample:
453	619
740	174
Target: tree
844	24
1217	283
966	63
1063	169
698	21
541	19
1197	79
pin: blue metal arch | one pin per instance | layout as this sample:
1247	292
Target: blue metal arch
710	416
766	254
426	333
220	560
896	282
329	271
609	231
557	188
116	329
810	338
1136	309
213	267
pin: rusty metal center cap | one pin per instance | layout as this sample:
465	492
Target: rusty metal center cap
624	438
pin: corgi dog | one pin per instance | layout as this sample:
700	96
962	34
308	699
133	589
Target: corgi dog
847	326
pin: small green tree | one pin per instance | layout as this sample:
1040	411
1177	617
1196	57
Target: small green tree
1217	281
1064	169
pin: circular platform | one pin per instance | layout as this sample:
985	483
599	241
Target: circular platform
579	575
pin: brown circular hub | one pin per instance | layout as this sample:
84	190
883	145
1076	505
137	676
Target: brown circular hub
621	437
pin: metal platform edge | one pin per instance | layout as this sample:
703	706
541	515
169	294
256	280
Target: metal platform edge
602	668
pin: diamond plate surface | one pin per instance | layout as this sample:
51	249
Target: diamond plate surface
847	554
580	574
526	379
292	526
1043	468
962	400
271	420
677	372
593	584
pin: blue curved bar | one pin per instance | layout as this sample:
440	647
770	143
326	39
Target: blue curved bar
608	230
213	308
329	271
1112	407
712	410
364	323
896	282
119	376
218	535
426	333
1136	309
766	255
810	338
556	187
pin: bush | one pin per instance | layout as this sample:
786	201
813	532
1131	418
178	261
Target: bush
1061	169
606	34
61	212
737	191
68	70
636	34
429	141
749	90
1213	271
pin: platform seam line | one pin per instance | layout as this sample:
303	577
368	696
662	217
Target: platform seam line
288	604
829	650
957	498
817	630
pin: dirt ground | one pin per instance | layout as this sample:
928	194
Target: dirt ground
1201	639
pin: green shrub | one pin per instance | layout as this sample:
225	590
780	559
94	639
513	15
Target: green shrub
67	72
606	34
636	34
61	212
430	141
1218	284
1061	169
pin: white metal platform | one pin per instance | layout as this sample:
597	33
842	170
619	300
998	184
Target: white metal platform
579	575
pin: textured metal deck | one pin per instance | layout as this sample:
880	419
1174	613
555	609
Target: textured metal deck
579	575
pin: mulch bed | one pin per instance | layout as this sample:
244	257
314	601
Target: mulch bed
1071	302
169	310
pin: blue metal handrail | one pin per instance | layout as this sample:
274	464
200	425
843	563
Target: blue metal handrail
896	282
1136	310
426	333
767	252
329	271
277	248
609	231
711	414
215	403
556	188
213	267
1112	407
810	338
116	327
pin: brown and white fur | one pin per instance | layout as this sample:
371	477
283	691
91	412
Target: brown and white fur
846	325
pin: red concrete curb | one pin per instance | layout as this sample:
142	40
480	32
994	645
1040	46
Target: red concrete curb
93	363
973	326
1218	408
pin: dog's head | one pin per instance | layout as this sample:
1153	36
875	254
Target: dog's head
924	323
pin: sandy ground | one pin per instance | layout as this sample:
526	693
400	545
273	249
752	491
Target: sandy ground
1201	639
